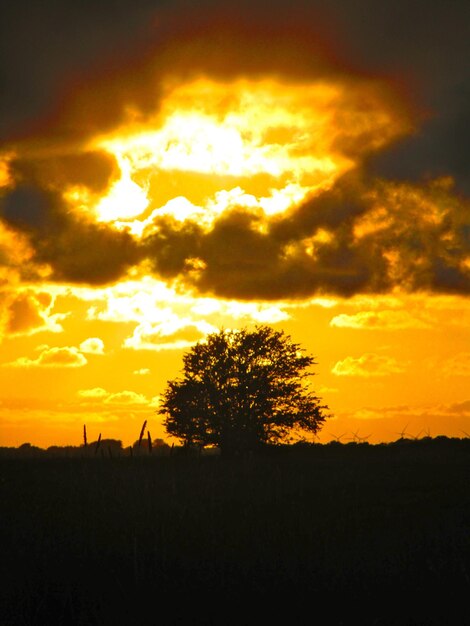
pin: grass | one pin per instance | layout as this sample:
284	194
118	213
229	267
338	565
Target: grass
379	534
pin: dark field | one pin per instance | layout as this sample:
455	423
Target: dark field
322	534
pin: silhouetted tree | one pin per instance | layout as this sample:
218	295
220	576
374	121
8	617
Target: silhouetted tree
240	390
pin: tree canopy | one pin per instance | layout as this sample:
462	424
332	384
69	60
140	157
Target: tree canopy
240	389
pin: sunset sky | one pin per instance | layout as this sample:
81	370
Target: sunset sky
168	169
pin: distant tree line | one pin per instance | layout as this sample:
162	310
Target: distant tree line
112	448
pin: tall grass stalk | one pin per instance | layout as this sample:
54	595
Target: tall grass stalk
142	432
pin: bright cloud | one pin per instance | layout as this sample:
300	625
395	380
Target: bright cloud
150	300
142	371
124	397
173	335
96	392
93	345
380	320
53	357
369	364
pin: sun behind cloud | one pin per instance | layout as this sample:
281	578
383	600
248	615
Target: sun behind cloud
275	142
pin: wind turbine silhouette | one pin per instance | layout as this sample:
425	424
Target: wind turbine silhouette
337	437
403	434
427	432
360	439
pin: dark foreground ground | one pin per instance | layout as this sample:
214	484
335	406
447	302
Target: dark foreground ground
326	534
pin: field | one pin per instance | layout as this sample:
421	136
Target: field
320	534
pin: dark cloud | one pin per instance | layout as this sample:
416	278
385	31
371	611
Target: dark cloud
94	170
362	236
332	209
27	209
281	260
76	250
238	258
172	246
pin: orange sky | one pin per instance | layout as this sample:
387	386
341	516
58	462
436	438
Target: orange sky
166	197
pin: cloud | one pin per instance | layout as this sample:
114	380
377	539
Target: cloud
141	372
15	253
24	314
52	357
109	66
359	236
412	414
126	397
460	408
92	345
380	320
418	241
152	301
175	334
94	170
249	257
155	402
28	312
71	246
392	220
96	392
368	365
118	398
61	356
114	61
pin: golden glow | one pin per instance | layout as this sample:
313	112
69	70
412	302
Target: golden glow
257	144
264	146
125	200
232	130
